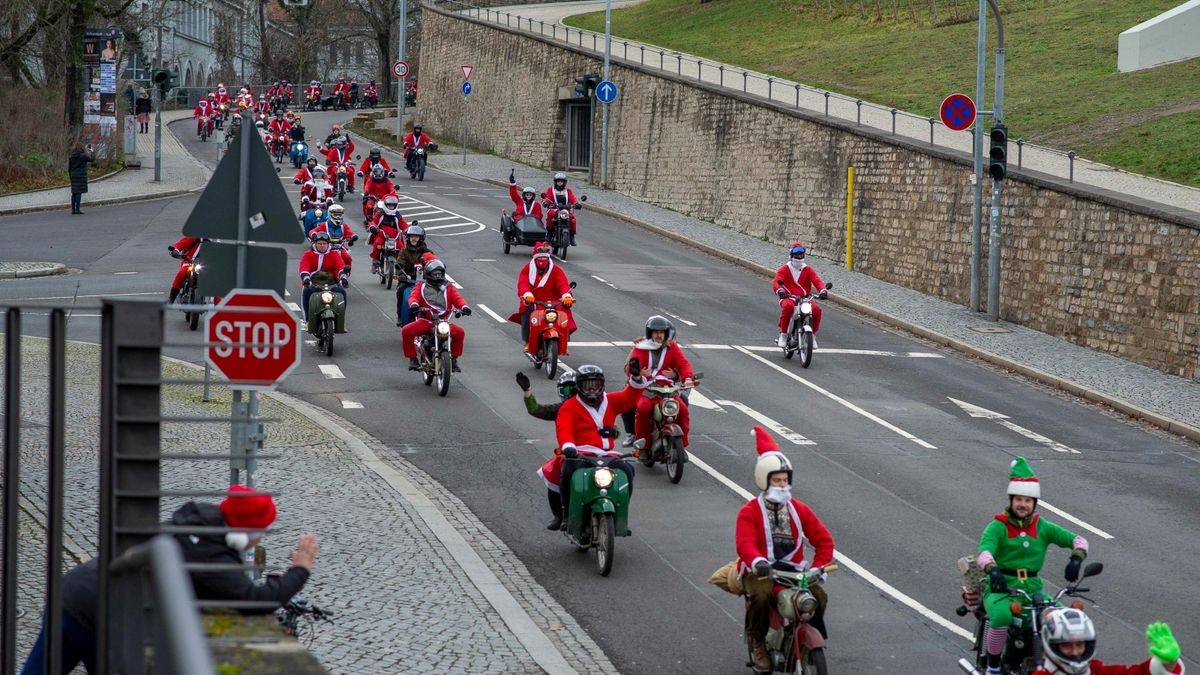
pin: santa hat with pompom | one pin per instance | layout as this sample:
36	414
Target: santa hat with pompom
770	459
247	508
1022	480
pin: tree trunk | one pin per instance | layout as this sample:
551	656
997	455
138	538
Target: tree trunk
73	84
383	42
264	55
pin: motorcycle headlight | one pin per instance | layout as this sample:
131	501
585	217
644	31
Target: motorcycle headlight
390	244
443	329
603	477
327	297
420	151
551	316
670	407
806	308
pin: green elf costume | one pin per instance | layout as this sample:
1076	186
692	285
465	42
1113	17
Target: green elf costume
1012	551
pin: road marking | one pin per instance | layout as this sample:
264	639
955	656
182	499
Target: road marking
495	229
449	225
594	344
838	399
287	293
676	316
609	284
351	405
422	213
311	342
331	372
1003	420
97	295
756	348
123	273
488	310
768	423
434	220
924	355
846	562
483	260
708	346
453	282
1073	519
698	400
844	350
293	306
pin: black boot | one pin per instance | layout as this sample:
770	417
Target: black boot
414	364
572	238
174	294
556	509
454	365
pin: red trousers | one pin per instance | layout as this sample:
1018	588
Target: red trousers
419	327
553	213
643	421
177	282
787	307
200	122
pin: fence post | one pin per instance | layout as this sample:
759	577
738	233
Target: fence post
1020	147
745	78
721	68
56	459
893	121
858	117
679	64
931	121
827	104
1071	159
699	70
797	96
770	88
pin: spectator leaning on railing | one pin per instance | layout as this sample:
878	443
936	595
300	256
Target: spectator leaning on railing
243	508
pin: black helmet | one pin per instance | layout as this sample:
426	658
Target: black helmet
320	235
375	153
660	322
435	273
589	382
414	231
566	385
416	128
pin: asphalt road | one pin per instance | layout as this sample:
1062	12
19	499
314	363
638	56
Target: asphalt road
904	478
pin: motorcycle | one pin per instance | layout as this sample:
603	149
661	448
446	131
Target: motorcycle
326	309
417	161
189	294
334	101
433	353
524	231
1023	648
666	436
800	333
223	114
548	334
558	232
340	182
299	153
370	101
278	143
793	644
387	261
205	124
599	505
311	101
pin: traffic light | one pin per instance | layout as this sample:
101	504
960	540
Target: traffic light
998	165
164	80
585	85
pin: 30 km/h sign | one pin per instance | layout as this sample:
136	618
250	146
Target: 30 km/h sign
254	339
400	68
958	112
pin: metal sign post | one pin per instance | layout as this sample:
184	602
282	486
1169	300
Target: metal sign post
157	135
997	185
604	110
400	81
466	90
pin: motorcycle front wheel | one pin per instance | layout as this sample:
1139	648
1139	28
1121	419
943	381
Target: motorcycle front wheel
390	271
443	374
806	352
328	327
427	375
675	455
550	359
604	543
812	662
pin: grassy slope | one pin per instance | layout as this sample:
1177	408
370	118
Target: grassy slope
1062	87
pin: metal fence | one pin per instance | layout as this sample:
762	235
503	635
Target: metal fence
1061	163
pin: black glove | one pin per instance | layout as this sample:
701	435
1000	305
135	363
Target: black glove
781	292
999	583
1072	572
512	177
635	366
306	281
762	568
465	311
373	230
413	309
523	381
823	295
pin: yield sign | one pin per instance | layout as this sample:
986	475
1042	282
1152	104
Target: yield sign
254	339
467	72
958	112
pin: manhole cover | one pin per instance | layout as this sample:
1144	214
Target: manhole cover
990	329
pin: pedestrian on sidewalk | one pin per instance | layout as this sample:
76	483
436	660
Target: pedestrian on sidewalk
77	169
142	108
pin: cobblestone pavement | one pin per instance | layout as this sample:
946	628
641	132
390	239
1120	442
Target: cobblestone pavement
401	603
546	20
1170	397
17	269
180	172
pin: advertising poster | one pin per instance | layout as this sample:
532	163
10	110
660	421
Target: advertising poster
101	52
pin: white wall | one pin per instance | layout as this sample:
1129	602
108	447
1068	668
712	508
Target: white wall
1171	36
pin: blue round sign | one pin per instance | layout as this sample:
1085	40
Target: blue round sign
606	92
466	88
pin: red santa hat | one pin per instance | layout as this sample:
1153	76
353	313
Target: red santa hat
770	459
248	508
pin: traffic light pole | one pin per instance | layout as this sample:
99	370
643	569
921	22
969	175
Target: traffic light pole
997	188
157	134
977	188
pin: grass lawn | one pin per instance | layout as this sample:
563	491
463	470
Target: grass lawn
52	180
1062	86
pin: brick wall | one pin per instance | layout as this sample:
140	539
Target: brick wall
1118	276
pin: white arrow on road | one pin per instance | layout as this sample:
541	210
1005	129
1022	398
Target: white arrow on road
1003	420
701	401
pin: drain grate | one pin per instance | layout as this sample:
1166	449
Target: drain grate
990	329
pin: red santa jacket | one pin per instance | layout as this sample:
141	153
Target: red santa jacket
287	91
661	362
411	141
341	156
392	228
546	286
520	208
203	108
262	106
188	246
311	90
578	425
223	98
441	302
316	191
1148	667
754	542
371	91
365	167
797	282
312	262
341	89
302	176
559	199
280	126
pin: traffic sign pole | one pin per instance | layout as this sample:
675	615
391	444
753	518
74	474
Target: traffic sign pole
977	151
401	81
604	110
994	247
466	100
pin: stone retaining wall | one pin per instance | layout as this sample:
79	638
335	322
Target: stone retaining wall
1092	267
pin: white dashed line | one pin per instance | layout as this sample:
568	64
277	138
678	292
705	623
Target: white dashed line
698	400
708	346
331	372
610	285
768	422
488	310
434	220
351	405
293	306
453	282
680	318
123	273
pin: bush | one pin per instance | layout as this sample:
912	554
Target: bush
39	149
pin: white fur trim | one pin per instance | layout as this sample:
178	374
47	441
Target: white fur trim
1157	667
238	541
1025	488
533	273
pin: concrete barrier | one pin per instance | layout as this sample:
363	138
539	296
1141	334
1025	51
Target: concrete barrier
1168	37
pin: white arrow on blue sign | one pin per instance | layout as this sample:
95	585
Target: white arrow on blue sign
466	88
606	92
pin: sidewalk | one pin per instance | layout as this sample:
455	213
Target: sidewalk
1168	401
180	173
546	20
415	582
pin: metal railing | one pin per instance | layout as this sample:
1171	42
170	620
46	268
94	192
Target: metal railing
1045	159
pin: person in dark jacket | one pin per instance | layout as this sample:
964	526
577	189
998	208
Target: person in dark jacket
244	509
142	109
77	169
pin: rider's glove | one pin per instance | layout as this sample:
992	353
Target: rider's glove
635	366
528	298
762	568
353	239
523	381
306	281
823	295
373	230
999	583
568	300
1161	643
413	309
465	311
1072	572
512	177
781	292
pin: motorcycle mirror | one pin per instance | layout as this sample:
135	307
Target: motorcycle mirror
276	169
1093	569
583	198
358	157
573	284
828	285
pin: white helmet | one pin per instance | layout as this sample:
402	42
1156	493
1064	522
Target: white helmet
1067	624
335	213
318	171
770	459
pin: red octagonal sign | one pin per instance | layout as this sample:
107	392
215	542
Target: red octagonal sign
254	339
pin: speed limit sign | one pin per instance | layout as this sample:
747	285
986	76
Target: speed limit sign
400	68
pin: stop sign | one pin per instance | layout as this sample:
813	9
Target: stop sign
253	339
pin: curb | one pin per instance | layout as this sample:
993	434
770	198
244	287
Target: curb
1171	425
53	269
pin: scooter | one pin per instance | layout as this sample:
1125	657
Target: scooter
278	143
800	332
598	504
666	435
340	183
548	334
299	153
327	315
433	353
793	644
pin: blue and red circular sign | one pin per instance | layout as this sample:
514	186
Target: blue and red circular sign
958	112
